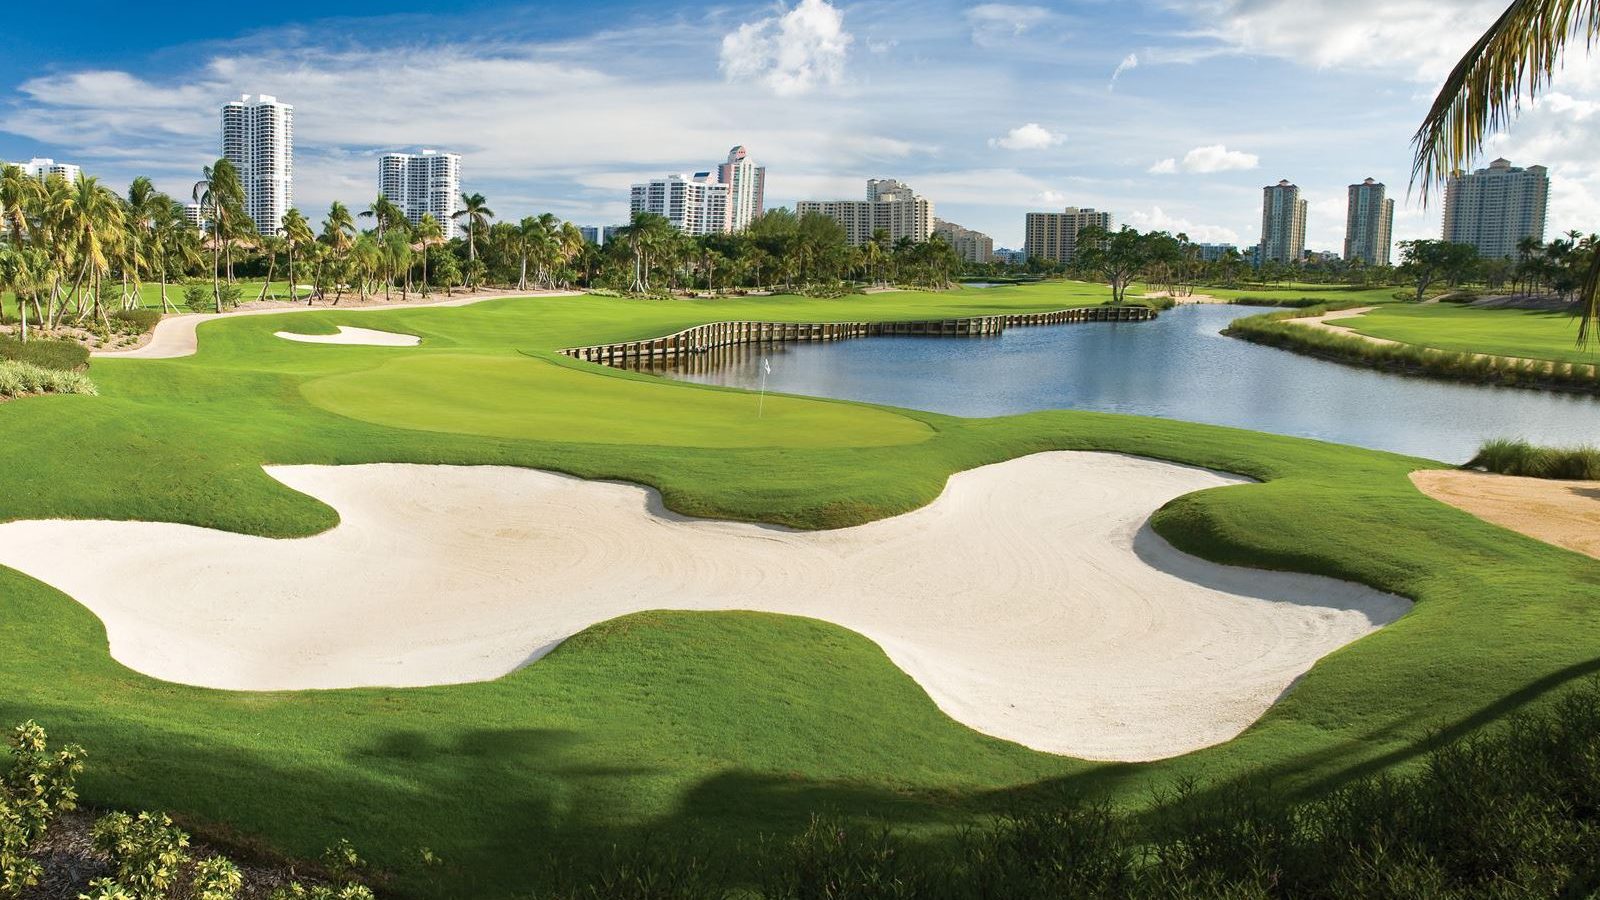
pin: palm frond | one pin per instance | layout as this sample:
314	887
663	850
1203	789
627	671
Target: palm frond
1517	56
1589	300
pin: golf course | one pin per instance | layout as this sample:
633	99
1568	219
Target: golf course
715	722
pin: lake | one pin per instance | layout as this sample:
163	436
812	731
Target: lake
1178	367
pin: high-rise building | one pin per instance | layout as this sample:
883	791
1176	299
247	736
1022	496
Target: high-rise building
591	233
1369	224
258	138
44	168
423	183
890	206
971	246
1495	208
694	204
1054	236
1283	224
747	188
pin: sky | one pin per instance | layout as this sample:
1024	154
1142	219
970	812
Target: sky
1171	114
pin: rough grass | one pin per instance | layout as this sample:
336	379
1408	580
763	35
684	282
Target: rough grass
1508	456
18	379
706	731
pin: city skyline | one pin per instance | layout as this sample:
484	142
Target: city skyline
558	113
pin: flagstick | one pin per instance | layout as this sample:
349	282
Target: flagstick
761	403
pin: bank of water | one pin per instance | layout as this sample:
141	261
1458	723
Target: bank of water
1178	366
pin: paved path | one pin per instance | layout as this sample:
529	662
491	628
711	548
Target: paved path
176	336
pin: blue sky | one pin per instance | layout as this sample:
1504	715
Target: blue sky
1170	114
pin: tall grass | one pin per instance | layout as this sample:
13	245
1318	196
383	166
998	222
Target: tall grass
1273	330
46	354
19	378
1509	456
1510	812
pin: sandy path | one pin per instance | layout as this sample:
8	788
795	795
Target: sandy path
176	336
1030	600
365	337
1325	322
1564	513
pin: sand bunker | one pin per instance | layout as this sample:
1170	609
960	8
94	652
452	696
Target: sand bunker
1564	513
1031	600
365	337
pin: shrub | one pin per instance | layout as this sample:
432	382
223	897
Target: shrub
38	786
19	379
147	852
1506	456
46	354
199	299
135	321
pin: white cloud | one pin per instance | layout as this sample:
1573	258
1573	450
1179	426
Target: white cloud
792	53
1168	166
1131	61
1157	219
1031	136
1423	37
998	23
1218	158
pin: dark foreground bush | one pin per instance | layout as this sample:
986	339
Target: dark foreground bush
67	356
1507	456
1510	813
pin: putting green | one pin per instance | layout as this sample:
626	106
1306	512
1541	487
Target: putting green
522	397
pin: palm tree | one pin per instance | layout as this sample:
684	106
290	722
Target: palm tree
93	225
396	249
428	233
384	213
1519	53
272	246
475	209
338	231
18	192
297	236
221	195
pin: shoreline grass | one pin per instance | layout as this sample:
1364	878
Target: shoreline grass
1512	456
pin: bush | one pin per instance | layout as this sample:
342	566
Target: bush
18	379
38	786
199	299
135	321
65	356
1507	456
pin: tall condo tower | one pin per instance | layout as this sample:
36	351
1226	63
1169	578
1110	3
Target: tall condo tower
423	183
890	206
1369	224
258	138
1283	224
747	187
1054	236
1495	208
694	204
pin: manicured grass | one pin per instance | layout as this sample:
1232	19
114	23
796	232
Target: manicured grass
709	729
1530	334
150	294
1303	294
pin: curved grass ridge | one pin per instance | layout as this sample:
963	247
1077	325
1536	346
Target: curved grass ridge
1273	330
18	379
723	726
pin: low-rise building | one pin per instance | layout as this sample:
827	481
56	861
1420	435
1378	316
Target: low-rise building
44	168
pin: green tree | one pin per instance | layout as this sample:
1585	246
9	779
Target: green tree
1426	262
475	210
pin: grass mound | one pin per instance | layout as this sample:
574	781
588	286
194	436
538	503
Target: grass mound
65	356
19	378
1509	456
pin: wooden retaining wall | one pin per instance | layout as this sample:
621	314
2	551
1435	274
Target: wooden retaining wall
704	338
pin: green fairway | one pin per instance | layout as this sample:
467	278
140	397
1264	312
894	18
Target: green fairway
1526	333
1321	293
150	294
709	729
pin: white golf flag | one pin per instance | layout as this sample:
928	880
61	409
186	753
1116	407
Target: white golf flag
766	366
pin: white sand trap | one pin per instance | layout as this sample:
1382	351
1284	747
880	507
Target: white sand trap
364	337
1031	600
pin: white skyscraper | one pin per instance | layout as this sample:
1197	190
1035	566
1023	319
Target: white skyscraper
695	204
258	138
1493	209
423	183
890	206
747	187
